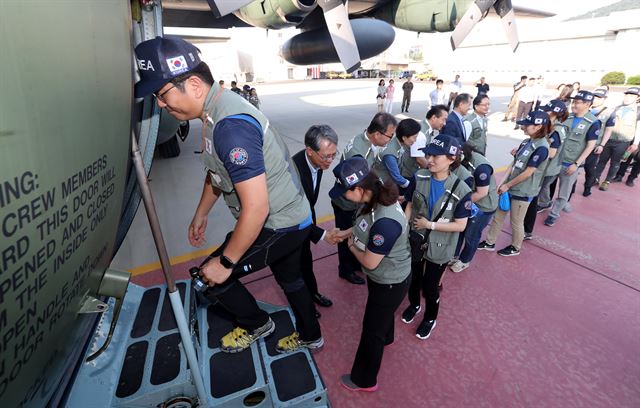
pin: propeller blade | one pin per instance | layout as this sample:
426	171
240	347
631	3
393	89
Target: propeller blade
336	17
504	9
474	14
221	8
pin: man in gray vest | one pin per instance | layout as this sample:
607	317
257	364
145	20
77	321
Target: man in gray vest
367	145
435	120
247	164
479	123
623	136
584	129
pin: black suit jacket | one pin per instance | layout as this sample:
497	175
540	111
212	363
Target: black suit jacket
306	180
453	127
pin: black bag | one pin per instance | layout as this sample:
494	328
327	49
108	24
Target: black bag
419	242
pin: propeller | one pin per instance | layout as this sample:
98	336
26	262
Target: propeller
336	17
221	8
477	11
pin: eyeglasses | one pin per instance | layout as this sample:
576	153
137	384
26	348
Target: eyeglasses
160	97
384	134
325	157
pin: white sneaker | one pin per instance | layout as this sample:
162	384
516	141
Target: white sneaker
452	261
459	266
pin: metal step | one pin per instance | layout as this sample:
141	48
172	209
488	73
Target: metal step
145	365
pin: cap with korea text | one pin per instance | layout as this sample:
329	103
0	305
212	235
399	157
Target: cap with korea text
162	59
536	117
443	145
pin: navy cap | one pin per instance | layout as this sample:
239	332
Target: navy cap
634	90
443	145
536	117
349	173
600	93
554	105
583	96
162	59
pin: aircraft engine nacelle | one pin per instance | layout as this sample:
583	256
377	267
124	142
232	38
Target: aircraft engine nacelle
315	46
275	14
424	16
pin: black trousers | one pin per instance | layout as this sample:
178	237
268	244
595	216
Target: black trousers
377	330
281	252
406	100
635	167
590	173
347	263
530	216
613	151
306	266
426	275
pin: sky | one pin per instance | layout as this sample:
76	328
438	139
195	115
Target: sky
566	8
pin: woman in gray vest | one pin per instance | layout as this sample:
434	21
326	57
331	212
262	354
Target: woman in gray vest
522	183
485	198
390	163
558	113
439	205
379	242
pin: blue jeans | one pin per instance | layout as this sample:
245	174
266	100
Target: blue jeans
472	235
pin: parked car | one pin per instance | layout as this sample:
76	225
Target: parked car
344	75
333	75
427	75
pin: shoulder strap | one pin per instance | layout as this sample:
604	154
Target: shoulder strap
444	206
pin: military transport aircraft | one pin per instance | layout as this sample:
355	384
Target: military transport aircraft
68	191
347	33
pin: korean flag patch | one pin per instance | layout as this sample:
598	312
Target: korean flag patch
177	65
363	225
581	126
378	240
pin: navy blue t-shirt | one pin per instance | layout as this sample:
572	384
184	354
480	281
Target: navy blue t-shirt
482	175
238	144
554	140
383	235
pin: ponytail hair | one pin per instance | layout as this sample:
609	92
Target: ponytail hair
467	152
383	193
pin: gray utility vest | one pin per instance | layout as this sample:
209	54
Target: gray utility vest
288	206
425	128
393	148
603	113
531	186
442	245
576	140
478	136
360	145
408	165
462	173
396	265
488	203
625	127
555	165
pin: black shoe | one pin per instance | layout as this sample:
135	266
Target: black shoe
425	329
484	245
409	313
630	182
528	236
586	192
318	315
353	278
617	179
509	251
541	208
321	300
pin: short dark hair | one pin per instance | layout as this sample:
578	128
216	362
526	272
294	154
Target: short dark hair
201	71
317	133
439	81
523	77
381	122
463	97
436	111
233	83
407	127
478	100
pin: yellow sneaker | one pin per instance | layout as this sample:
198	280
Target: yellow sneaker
293	343
239	339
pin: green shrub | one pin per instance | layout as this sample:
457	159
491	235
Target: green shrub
633	80
612	78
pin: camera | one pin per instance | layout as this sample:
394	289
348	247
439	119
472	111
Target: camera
198	283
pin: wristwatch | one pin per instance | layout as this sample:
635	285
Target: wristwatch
226	262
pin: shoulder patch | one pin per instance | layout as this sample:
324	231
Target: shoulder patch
378	240
482	176
238	156
536	157
468	205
